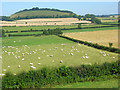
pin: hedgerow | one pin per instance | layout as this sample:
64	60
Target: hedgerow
111	49
61	75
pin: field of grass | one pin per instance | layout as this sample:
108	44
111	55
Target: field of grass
27	50
22	28
108	19
39	13
113	83
91	29
100	37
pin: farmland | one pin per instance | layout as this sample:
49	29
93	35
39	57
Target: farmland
100	37
44	47
35	52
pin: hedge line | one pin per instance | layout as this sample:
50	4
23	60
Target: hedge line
14	35
110	49
61	75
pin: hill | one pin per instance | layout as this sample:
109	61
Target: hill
42	13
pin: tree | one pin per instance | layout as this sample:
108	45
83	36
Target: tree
110	44
79	26
3	33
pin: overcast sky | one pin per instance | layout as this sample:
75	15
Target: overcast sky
81	8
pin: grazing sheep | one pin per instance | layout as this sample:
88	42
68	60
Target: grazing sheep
86	56
23	59
107	54
38	63
4	69
61	61
38	57
18	66
71	54
33	67
51	55
113	57
8	66
52	60
104	54
31	63
83	57
2	74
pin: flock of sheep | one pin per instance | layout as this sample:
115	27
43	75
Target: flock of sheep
20	55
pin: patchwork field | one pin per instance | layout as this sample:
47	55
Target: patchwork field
100	37
40	22
20	53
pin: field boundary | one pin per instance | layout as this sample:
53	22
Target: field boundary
110	49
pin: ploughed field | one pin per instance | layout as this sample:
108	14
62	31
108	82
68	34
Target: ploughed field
32	53
100	37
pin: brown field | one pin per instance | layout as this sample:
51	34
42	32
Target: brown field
100	37
43	21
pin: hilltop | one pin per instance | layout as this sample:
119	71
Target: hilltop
42	13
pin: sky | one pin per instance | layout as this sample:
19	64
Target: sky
80	8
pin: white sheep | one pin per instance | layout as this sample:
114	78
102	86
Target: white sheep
83	57
61	61
18	66
4	69
31	63
71	54
39	63
8	66
33	67
23	59
38	57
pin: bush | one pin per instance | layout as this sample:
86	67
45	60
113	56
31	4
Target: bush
61	75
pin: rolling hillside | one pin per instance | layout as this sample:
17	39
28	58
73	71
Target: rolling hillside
42	13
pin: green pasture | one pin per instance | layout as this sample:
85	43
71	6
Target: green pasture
113	83
22	28
44	47
91	29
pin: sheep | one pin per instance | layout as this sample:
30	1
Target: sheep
86	56
107	54
78	51
38	57
2	74
61	49
52	60
83	57
113	57
31	63
51	55
4	69
0	57
61	61
39	63
71	54
8	66
104	54
33	67
18	66
23	59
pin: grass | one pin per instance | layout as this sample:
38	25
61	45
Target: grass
87	30
39	13
19	28
48	43
20	41
113	83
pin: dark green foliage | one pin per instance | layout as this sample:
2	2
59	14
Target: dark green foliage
5	18
61	75
3	33
95	20
110	45
111	49
79	26
56	31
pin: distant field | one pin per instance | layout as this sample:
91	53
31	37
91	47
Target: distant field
108	19
100	37
50	50
91	29
113	83
22	28
42	21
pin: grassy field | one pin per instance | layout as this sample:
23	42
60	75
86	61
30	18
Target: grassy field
47	51
108	19
39	13
91	29
22	28
113	83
